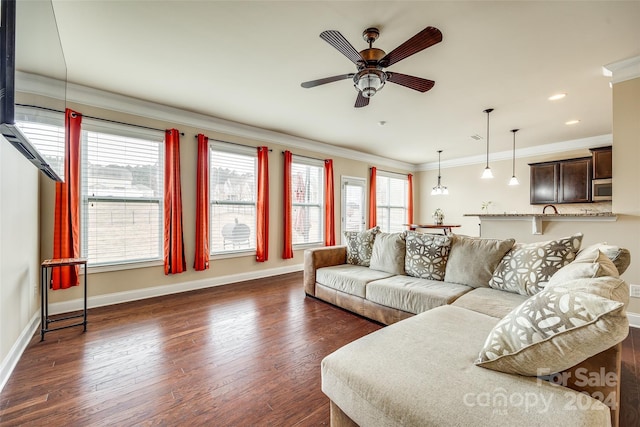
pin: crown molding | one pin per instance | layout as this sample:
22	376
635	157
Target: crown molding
40	85
538	150
626	69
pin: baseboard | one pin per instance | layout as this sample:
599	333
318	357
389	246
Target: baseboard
634	320
156	291
11	360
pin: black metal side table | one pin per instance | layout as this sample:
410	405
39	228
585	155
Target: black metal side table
46	269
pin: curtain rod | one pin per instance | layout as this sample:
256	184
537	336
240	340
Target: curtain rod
307	157
95	118
232	143
395	173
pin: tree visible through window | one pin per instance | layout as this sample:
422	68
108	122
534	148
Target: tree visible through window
391	201
232	189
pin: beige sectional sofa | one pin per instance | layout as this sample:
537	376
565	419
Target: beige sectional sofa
476	333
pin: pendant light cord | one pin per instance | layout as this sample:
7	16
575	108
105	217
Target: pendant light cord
488	111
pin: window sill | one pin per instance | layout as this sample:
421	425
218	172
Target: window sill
237	254
124	266
307	246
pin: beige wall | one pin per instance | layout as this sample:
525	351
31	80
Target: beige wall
139	278
19	245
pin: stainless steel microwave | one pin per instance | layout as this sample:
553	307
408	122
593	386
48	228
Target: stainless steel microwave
601	190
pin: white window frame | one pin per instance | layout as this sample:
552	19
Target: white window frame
98	126
244	151
302	160
351	181
380	174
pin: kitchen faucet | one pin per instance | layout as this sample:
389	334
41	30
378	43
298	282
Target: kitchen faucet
555	211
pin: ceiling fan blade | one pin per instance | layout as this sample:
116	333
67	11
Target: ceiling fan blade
425	38
314	83
337	40
412	82
361	101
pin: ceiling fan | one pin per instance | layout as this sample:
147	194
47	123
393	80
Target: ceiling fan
371	63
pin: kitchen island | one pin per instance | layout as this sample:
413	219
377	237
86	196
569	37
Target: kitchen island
537	219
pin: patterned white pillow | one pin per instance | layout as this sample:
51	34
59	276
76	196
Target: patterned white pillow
558	328
360	246
426	255
527	268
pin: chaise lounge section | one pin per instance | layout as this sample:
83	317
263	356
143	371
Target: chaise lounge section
435	363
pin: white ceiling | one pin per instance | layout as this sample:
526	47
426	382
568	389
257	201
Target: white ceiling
244	61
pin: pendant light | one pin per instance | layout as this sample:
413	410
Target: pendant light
487	171
514	180
439	189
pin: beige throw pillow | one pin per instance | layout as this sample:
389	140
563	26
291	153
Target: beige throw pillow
621	257
388	253
587	265
472	260
558	328
360	246
426	255
529	266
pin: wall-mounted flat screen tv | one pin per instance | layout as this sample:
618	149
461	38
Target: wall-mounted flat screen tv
31	51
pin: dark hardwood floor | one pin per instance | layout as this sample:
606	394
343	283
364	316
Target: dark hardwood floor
239	355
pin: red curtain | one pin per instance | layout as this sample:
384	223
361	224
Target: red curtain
287	252
373	218
66	228
174	261
262	220
329	217
410	197
201	261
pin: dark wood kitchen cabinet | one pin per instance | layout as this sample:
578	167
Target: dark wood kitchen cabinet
602	162
544	183
564	181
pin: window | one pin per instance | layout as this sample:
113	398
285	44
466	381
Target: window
307	196
353	206
45	130
122	194
391	201
232	194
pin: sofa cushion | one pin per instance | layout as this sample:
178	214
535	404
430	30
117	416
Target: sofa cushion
351	279
587	265
420	372
388	253
491	302
413	294
426	255
558	328
360	246
621	257
527	268
472	260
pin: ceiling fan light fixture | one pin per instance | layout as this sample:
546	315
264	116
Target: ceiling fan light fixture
369	82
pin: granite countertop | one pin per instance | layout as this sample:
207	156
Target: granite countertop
548	215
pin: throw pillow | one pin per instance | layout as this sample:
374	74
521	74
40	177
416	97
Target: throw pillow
587	265
529	266
426	255
388	253
556	329
621	257
360	246
472	260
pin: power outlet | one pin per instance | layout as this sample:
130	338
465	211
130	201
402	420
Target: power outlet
634	291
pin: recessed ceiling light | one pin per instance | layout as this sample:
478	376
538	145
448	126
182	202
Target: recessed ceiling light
557	96
382	123
572	122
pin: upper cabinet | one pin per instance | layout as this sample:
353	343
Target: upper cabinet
602	162
564	181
